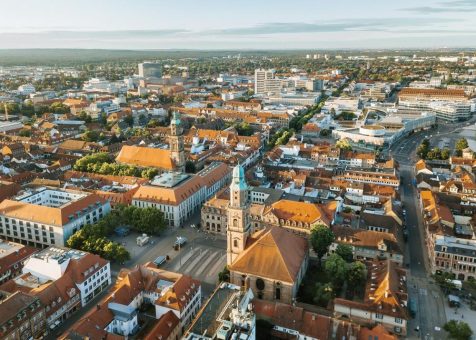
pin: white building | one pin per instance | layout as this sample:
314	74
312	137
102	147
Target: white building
63	279
26	89
49	216
179	195
304	99
91	273
265	82
103	85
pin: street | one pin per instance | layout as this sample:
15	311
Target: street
430	300
428	296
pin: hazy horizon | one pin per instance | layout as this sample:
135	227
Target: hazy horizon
248	25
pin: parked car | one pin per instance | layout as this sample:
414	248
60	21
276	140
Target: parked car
180	242
160	260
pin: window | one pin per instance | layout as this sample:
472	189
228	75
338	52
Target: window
378	316
398	320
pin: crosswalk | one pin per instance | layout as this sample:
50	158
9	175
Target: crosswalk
200	262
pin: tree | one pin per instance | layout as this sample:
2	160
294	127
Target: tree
119	253
90	136
321	239
85	117
345	251
25	133
244	129
144	220
149	173
461	144
356	275
458	330
324	292
445	154
336	269
129	120
423	149
344	144
190	167
224	275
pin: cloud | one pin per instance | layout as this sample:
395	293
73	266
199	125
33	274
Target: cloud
451	6
96	34
374	25
257	35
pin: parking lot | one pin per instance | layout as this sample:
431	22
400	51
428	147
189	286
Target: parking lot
203	256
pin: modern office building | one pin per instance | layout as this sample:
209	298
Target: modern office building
448	105
266	82
150	70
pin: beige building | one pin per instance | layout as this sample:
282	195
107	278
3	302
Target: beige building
385	300
21	317
273	261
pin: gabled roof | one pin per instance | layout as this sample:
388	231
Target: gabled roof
145	157
278	254
298	211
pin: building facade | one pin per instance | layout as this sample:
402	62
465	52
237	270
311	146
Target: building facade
49	216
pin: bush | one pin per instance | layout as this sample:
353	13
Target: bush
458	330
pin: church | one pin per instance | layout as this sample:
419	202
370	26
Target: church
164	160
271	261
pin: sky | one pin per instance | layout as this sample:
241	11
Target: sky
244	24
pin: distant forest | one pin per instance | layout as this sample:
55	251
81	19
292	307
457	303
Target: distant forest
70	57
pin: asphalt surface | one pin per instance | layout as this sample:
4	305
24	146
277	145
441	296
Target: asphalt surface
430	300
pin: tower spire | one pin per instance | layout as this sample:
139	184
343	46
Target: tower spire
239	223
177	150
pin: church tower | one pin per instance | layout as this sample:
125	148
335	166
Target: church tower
239	222
177	152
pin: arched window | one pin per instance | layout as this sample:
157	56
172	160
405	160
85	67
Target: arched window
235	222
235	243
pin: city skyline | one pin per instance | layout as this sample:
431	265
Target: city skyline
186	24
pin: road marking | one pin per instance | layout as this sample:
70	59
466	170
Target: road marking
190	265
423	291
219	265
211	257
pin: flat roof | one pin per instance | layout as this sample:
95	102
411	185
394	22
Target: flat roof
208	321
169	179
